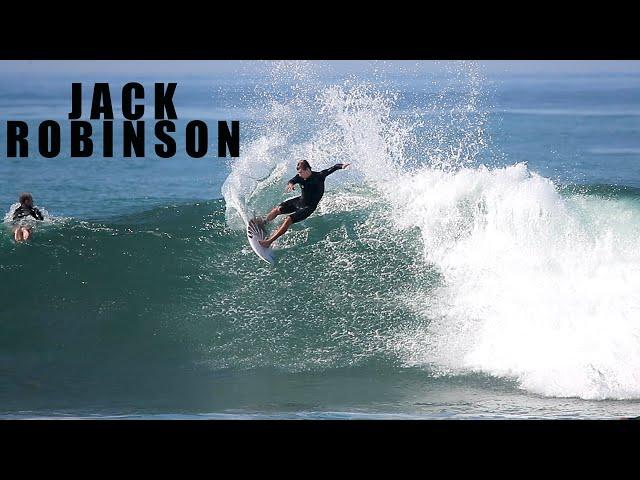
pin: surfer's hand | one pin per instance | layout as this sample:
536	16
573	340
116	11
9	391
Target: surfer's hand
290	187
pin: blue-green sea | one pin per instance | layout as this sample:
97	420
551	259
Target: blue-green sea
480	258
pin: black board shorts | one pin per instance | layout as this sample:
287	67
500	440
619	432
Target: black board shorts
297	209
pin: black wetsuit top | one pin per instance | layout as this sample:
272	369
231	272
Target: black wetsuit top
313	187
23	211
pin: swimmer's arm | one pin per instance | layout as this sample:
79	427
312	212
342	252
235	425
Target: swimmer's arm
18	213
36	213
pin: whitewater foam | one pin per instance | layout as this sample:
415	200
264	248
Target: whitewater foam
536	286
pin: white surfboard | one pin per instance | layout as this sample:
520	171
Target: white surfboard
255	233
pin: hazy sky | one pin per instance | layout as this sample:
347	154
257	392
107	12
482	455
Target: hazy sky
210	67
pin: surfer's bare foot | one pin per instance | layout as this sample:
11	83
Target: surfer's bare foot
265	243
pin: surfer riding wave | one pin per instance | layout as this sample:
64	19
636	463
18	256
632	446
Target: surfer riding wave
299	208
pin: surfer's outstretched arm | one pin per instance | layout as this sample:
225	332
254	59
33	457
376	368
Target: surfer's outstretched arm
337	166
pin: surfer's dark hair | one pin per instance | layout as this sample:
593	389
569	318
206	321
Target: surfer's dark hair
304	164
26	199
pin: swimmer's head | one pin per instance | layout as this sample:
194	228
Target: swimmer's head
303	168
26	200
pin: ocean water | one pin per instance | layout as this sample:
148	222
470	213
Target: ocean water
479	259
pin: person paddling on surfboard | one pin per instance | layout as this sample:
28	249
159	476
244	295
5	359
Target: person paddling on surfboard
299	208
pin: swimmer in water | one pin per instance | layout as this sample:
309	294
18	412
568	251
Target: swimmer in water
26	210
